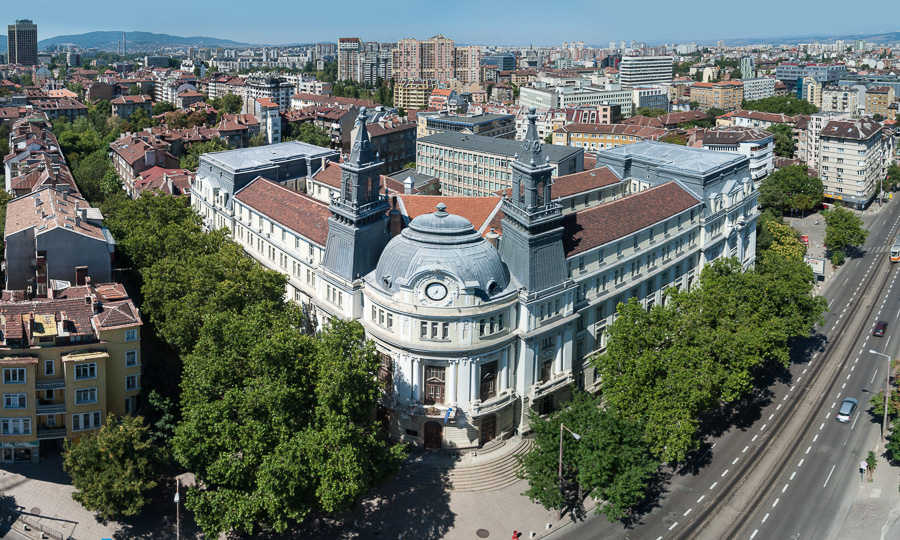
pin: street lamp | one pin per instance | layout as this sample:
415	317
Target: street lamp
177	511
887	393
576	437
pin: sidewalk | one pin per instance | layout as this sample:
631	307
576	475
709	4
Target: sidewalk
875	511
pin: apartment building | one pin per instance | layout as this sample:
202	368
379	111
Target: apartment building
595	137
125	106
725	95
276	89
814	127
812	91
758	145
68	361
348	50
474	165
851	166
758	88
53	236
467	67
393	140
413	95
840	99
645	70
429	60
879	100
22	43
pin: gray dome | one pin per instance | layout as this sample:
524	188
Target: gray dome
441	244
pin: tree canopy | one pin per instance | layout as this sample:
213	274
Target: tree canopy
191	160
789	188
309	133
610	461
277	425
789	105
114	469
843	229
784	140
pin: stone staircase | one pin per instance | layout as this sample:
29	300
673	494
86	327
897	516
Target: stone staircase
487	471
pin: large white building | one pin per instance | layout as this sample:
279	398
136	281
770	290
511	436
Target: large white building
851	161
758	88
758	145
473	328
644	70
840	99
568	96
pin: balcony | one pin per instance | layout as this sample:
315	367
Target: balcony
49	384
493	404
542	388
51	408
51	433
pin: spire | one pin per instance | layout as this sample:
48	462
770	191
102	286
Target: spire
531	153
362	153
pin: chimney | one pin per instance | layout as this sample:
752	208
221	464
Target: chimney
87	299
408	186
493	238
396	219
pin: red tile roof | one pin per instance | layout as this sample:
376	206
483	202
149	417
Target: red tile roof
48	209
594	227
296	211
329	175
570	184
478	210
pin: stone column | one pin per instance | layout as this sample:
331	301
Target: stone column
451	381
473	379
504	369
416	380
559	354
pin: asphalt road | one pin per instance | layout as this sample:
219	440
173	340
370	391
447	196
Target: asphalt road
812	493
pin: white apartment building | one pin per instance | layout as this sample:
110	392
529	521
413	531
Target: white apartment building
813	128
758	88
758	145
851	154
840	99
644	70
560	97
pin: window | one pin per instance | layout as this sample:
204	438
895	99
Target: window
82	421
86	395
16	426
546	369
130	335
386	372
50	395
488	381
434	385
15	401
14	375
131	359
48	367
86	371
131	383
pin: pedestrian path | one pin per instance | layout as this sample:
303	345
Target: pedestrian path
876	508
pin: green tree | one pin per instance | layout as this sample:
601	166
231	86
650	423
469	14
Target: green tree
877	117
610	461
191	160
90	173
135	90
893	443
309	133
788	105
161	107
784	140
736	74
548	139
139	120
114	469
789	188
258	140
892	178
843	229
649	113
277	425
694	105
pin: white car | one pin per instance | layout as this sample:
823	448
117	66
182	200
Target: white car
848	407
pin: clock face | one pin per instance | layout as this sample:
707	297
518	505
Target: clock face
436	291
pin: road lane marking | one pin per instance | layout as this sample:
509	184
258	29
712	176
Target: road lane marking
852	426
792	388
714	484
765	518
771	416
793	474
873	377
801	462
735	460
829	476
688	511
816	438
843	386
752	536
724	473
673	525
804	372
754	438
823	425
808	448
701	498
774	504
778	407
852	367
763	427
744	450
784	488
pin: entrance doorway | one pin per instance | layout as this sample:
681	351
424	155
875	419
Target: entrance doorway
488	429
434	435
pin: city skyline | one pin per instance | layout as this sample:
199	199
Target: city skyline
505	25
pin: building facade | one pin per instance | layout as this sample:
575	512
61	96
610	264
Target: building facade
725	95
879	100
595	137
67	362
432	59
644	70
840	99
792	75
22	43
348	50
758	145
475	330
851	159
758	88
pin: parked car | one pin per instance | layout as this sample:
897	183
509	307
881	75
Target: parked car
880	327
845	413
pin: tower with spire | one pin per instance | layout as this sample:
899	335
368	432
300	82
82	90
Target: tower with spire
532	244
357	228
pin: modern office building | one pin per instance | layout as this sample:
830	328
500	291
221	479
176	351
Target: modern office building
561	97
474	165
22	43
487	125
503	61
748	68
474	328
792	75
644	70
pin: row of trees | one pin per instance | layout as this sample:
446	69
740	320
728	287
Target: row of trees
788	105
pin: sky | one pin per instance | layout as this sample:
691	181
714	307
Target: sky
523	22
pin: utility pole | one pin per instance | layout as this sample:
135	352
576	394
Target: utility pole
887	394
177	511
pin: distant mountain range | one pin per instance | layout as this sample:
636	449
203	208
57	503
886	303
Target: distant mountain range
886	37
108	40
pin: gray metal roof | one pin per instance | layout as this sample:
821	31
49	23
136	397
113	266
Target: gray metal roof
264	156
495	146
441	243
470	120
684	158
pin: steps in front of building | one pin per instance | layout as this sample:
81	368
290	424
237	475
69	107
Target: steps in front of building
486	476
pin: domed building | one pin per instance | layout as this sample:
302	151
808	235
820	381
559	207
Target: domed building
475	329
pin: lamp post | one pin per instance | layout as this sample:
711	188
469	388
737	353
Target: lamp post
576	437
177	511
887	393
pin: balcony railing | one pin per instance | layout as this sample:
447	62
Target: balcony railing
54	433
51	408
49	384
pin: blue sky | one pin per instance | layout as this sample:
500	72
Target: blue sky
467	21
